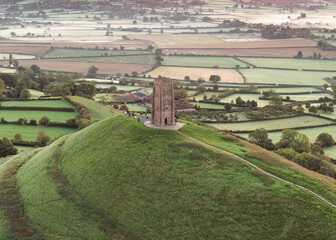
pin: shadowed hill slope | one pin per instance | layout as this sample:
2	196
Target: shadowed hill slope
119	179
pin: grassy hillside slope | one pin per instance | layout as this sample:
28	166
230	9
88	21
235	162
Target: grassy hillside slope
97	111
118	179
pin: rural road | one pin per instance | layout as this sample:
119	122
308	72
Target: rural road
254	166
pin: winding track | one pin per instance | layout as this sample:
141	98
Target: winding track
254	166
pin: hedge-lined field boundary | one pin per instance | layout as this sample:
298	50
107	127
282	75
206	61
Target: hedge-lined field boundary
48	109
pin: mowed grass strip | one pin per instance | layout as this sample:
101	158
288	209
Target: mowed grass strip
190	61
105	223
300	121
292	63
38	103
55	216
29	133
289	77
13	115
227	75
19	225
97	111
193	190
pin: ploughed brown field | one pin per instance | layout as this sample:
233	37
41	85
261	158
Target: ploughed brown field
82	67
254	52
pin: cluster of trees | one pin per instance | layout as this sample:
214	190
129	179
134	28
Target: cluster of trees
7	148
53	84
276	32
296	147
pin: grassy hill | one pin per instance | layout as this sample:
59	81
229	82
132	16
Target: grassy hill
120	180
97	111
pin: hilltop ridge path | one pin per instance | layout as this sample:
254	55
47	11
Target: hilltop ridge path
254	166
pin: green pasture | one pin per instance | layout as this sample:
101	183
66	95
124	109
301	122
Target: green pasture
307	97
208	105
5	56
97	111
13	115
208	94
331	151
312	133
136	108
300	121
35	93
38	103
29	133
290	77
7	70
192	61
289	89
292	63
245	97
66	52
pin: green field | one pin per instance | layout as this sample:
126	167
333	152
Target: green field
245	97
35	94
13	115
290	89
29	133
38	103
300	121
5	56
137	59
292	63
7	70
136	108
307	97
312	133
65	52
331	151
190	61
290	77
97	111
119	87
208	105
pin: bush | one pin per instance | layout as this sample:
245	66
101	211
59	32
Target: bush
83	123
42	138
18	137
44	121
7	148
22	121
325	140
33	122
288	153
71	122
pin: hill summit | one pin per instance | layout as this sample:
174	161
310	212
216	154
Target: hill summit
118	179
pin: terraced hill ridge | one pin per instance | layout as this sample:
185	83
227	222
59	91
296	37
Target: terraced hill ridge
120	180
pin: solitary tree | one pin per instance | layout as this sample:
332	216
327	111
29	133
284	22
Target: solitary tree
92	72
44	121
325	140
42	138
25	94
260	137
276	101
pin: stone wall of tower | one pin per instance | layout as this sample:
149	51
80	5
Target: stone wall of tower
163	104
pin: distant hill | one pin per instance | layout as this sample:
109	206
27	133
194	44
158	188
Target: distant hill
120	180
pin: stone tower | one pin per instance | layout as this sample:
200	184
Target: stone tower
163	105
